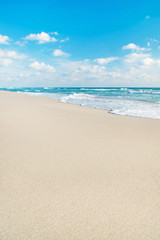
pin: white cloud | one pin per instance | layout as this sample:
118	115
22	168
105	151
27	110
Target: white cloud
147	17
139	58
42	66
153	40
148	61
138	66
132	46
81	71
11	54
56	33
105	60
19	43
5	61
64	40
4	39
40	37
92	68
58	53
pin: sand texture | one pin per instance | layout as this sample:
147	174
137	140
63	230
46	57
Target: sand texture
73	173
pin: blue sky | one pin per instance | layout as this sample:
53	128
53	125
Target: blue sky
79	43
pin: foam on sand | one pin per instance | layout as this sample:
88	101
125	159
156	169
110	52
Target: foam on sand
139	102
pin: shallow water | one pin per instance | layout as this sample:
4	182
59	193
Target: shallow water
140	102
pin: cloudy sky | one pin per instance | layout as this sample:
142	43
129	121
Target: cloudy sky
79	43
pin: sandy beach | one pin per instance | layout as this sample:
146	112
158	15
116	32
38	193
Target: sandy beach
74	173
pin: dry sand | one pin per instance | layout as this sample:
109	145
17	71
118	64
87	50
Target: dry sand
73	173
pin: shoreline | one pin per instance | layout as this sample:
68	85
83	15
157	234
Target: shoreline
107	111
74	173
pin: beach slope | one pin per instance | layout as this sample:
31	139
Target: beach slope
73	173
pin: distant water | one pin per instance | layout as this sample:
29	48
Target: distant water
140	102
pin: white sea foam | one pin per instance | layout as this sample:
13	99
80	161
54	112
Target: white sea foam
105	89
116	106
113	105
99	89
124	89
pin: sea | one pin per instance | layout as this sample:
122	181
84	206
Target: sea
139	102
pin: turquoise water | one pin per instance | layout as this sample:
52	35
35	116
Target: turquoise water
140	102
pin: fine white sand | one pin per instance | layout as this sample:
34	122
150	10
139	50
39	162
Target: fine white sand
73	173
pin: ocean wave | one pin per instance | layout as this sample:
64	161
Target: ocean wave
99	89
140	102
124	89
106	89
115	106
77	96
